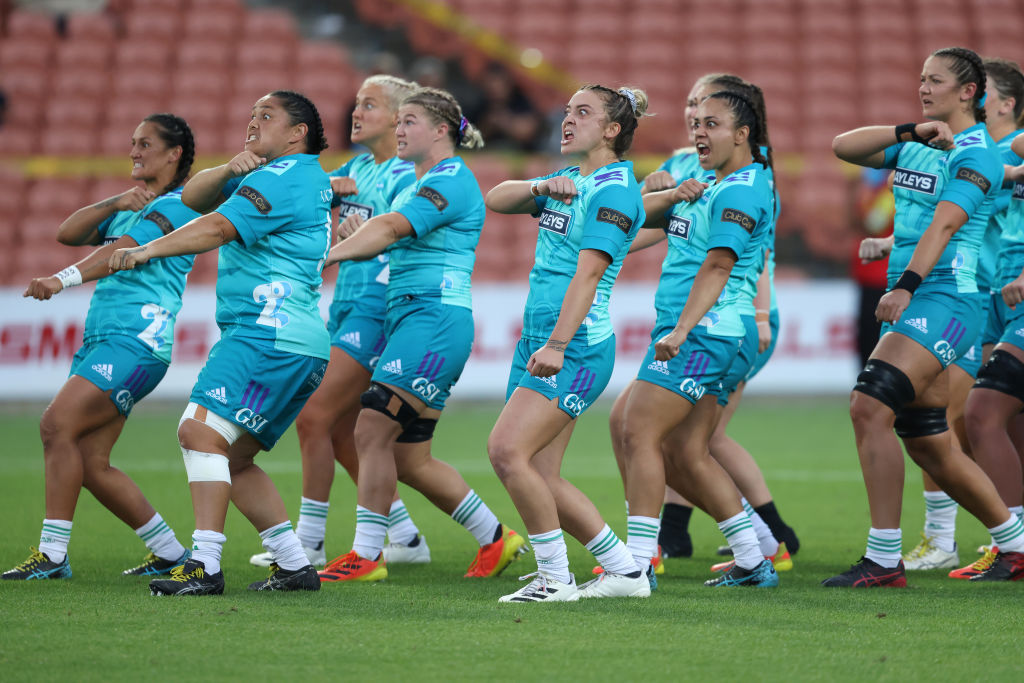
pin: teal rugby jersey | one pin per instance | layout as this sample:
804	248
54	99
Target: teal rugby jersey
446	210
969	175
365	282
604	215
736	213
268	281
1010	218
142	302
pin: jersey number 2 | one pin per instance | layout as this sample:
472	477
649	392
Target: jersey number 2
273	295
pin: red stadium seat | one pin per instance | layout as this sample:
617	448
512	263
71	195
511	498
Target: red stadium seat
64	140
212	24
264	57
139	82
25	24
116	140
147	24
125	113
270	26
206	55
153	53
235	5
56	196
18	141
91	27
205	84
81	82
25	85
79	111
322	56
83	53
24	52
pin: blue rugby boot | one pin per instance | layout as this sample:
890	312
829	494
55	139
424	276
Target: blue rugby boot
761	576
38	566
156	566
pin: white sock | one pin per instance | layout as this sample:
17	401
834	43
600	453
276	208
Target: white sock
1009	535
312	525
769	546
371	532
478	519
552	555
206	548
885	547
53	541
285	546
160	539
940	519
1018	510
642	539
611	553
401	528
739	534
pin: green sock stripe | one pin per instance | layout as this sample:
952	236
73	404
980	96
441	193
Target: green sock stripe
638	527
372	518
935	506
553	537
466	510
746	508
56	530
885	546
155	531
643	534
283	530
312	512
606	543
737	527
397	517
1010	533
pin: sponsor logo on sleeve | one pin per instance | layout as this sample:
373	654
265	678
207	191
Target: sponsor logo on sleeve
258	200
975	178
554	221
679	227
739	218
616	218
161	221
434	197
914	180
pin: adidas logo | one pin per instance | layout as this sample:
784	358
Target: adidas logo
550	381
218	394
918	324
659	366
1020	331
104	369
394	367
352	339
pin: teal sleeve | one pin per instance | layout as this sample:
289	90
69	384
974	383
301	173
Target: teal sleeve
261	205
892	155
439	201
105	224
734	216
161	220
971	177
342	171
611	219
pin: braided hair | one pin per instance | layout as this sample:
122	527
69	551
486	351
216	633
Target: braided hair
1008	81
744	113
735	84
395	88
967	66
175	132
625	106
442	107
301	109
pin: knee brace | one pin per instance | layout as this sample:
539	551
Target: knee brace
914	422
886	383
1003	373
421	429
384	400
226	428
201	466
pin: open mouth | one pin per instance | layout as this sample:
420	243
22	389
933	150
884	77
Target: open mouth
703	151
567	136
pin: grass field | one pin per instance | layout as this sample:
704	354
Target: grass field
427	623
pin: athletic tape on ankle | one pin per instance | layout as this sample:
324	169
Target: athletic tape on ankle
226	428
201	466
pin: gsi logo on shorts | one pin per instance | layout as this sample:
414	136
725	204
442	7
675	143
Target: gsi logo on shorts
691	388
574	404
425	388
947	354
125	401
251	420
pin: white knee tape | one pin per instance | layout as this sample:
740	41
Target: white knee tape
206	466
226	428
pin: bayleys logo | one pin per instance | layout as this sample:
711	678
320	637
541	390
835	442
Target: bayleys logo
917	181
554	221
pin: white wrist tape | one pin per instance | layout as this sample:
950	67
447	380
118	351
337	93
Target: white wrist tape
69	277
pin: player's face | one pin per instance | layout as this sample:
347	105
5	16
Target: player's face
150	154
270	129
416	133
714	134
585	126
939	92
372	116
698	92
994	100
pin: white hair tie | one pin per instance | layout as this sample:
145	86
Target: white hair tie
628	94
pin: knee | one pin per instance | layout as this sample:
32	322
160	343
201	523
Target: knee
639	443
868	414
52	427
503	456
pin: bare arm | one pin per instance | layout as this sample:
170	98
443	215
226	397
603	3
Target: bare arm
948	218
203	193
707	287
372	237
201	234
579	297
81	227
1018	146
658	203
92	267
763	307
517	196
647	238
866	146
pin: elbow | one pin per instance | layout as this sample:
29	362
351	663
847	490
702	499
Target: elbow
493	201
839	147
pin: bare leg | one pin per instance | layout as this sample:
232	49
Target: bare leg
114	489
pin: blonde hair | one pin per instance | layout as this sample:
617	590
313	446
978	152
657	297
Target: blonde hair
625	106
443	108
394	87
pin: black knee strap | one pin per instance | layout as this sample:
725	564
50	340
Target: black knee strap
421	429
886	383
1003	373
383	399
914	422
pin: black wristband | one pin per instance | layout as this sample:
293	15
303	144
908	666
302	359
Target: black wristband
909	281
904	128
